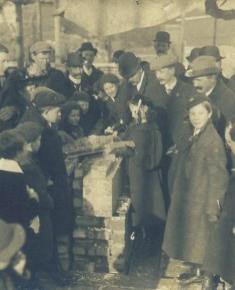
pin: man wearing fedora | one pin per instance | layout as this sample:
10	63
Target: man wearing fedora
212	50
91	74
205	77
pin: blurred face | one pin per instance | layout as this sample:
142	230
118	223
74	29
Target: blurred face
199	116
74	117
111	90
165	75
52	115
36	145
4	58
75	72
89	56
42	60
84	106
135	79
204	84
161	47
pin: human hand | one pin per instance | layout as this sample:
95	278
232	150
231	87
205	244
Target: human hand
35	225
32	193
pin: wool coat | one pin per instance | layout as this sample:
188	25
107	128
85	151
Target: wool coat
199	184
220	253
145	189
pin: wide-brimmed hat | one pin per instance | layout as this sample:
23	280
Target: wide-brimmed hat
211	50
128	64
203	66
165	60
45	97
162	36
87	46
40	46
195	52
11	241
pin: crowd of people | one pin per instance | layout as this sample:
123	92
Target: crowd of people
180	171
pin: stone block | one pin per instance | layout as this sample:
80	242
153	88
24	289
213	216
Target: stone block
80	233
118	223
102	186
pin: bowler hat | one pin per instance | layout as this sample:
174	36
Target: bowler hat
3	48
197	99
11	241
74	59
164	60
117	54
87	46
211	50
195	52
30	131
108	78
128	64
45	97
162	36
203	66
40	46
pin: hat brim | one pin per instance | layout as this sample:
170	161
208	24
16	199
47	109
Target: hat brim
200	73
130	74
169	42
16	243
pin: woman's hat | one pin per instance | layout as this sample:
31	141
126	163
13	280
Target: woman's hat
11	241
108	78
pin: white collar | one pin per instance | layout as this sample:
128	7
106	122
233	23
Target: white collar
170	86
10	165
88	71
140	82
74	80
209	92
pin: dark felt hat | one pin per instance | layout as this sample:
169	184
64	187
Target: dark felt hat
12	240
80	96
30	131
108	78
74	59
3	48
211	50
128	64
45	97
203	66
195	52
87	46
40	46
197	99
162	36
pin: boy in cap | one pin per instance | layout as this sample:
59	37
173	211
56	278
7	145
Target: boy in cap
46	112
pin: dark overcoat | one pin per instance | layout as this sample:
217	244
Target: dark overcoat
220	254
90	83
145	189
199	182
51	162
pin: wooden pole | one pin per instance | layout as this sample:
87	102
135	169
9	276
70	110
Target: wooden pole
19	36
215	31
38	19
182	30
57	39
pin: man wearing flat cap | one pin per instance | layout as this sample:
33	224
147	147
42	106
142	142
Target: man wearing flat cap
205	77
212	50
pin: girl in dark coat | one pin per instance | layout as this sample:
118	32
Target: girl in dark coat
197	189
70	118
145	190
220	258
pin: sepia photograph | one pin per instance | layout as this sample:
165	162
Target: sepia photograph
117	144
